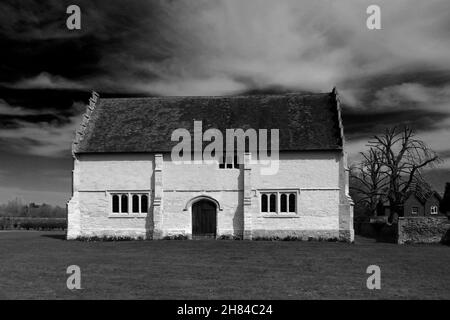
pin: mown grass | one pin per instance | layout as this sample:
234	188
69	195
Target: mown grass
33	266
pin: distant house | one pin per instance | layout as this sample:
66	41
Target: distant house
421	201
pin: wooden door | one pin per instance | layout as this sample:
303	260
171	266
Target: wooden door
204	220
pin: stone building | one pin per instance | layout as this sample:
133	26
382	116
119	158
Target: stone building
125	182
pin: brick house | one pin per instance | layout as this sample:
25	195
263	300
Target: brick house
126	184
421	201
419	205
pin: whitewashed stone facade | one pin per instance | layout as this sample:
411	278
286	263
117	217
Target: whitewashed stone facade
319	178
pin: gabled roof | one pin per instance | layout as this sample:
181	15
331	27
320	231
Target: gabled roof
422	191
306	121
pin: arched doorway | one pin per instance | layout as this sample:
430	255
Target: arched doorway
204	219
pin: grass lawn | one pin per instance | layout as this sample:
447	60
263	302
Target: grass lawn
33	266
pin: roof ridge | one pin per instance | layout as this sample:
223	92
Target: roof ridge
224	96
79	135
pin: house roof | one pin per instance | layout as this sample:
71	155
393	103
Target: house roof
422	191
306	121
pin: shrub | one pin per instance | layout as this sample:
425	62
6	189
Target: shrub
8	223
446	238
176	237
108	238
229	237
267	238
295	238
292	238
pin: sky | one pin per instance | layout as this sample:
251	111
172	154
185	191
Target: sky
399	75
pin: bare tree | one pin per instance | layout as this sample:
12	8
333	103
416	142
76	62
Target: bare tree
368	180
394	161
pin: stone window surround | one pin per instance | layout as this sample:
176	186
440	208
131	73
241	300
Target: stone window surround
433	210
130	194
278	213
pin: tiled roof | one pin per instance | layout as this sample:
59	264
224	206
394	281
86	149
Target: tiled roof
422	191
305	121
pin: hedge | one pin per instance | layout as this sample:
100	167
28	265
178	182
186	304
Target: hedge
25	223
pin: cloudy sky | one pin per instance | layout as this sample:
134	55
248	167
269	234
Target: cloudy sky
397	75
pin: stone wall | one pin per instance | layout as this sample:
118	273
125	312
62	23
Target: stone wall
422	229
95	177
408	230
324	210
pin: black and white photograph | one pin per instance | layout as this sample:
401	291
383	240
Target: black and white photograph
224	154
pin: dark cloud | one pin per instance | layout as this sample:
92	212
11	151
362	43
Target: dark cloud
180	47
394	76
360	124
